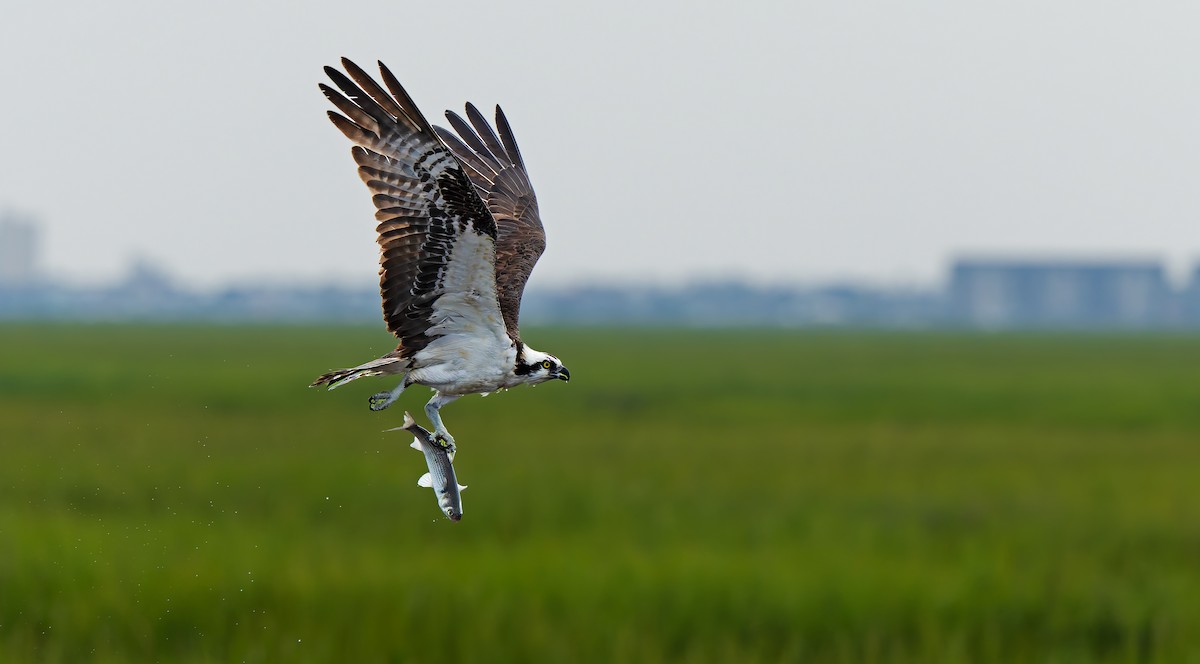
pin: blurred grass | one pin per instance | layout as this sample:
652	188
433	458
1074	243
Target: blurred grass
174	493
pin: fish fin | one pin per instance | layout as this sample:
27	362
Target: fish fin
416	445
408	421
426	481
461	487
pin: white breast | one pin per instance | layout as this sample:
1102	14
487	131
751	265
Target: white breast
474	352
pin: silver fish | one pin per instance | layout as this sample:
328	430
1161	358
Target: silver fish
440	477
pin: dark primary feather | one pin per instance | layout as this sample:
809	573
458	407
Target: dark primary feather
423	199
510	143
497	170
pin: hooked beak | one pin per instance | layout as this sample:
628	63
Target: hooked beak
564	375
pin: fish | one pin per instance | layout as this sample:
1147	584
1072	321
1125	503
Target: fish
440	460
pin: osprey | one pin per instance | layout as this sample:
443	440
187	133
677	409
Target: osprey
459	234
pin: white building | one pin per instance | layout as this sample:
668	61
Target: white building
1071	293
19	245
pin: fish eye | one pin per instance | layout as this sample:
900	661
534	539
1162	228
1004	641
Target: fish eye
546	364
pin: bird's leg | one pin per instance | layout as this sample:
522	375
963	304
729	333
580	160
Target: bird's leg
440	435
381	400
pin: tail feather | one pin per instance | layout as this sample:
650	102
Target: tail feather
342	376
339	377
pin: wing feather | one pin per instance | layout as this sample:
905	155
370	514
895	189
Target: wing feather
485	133
479	150
352	112
506	135
425	206
495	166
474	166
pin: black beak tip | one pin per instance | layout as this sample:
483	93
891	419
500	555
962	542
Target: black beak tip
564	375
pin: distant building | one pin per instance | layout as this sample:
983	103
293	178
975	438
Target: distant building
18	250
1004	294
1189	301
1026	293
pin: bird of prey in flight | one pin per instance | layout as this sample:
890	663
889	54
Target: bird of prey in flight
458	232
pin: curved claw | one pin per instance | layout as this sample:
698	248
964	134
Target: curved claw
445	441
380	400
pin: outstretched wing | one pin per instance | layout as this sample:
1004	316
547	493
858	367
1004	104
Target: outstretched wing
496	169
436	237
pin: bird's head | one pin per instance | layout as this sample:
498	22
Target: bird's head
534	366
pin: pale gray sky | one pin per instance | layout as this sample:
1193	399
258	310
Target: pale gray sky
775	141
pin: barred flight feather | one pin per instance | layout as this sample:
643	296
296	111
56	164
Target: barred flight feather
425	205
497	170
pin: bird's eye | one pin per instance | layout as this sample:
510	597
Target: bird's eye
546	364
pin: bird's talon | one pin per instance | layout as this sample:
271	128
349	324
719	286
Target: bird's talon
380	401
446	442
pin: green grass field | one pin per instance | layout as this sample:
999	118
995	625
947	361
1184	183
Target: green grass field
177	494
